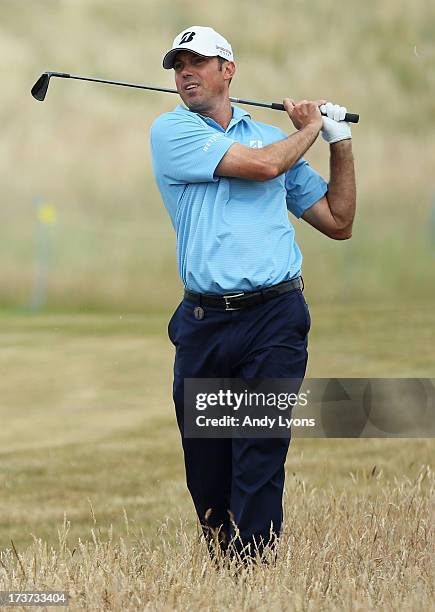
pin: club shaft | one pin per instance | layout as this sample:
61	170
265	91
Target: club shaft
121	83
351	117
124	84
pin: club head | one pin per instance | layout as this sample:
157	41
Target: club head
39	90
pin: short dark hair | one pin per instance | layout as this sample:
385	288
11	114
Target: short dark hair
221	61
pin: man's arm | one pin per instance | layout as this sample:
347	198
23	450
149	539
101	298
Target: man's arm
333	215
275	159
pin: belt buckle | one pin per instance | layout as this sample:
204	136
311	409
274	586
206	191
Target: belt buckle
229	296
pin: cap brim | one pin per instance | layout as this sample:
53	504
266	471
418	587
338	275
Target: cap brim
168	60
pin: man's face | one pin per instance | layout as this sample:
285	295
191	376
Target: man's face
199	80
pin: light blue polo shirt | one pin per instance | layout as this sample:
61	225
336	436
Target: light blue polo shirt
232	234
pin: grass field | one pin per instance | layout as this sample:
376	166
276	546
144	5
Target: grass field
89	446
91	470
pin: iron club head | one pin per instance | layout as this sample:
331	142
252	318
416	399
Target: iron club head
39	90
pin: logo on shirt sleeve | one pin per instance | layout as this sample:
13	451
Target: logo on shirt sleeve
210	141
256	144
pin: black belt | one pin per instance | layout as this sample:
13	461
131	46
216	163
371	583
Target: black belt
236	301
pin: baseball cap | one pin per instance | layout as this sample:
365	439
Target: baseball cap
201	40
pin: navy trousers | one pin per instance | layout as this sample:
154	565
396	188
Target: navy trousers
235	480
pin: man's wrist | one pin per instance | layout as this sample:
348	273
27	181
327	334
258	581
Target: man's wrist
342	146
314	126
311	131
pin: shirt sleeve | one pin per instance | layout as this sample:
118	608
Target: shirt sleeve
185	149
304	187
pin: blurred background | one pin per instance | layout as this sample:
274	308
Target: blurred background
82	223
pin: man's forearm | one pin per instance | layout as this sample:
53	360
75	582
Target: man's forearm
283	154
341	194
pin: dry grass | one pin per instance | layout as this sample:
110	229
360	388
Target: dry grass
339	551
91	434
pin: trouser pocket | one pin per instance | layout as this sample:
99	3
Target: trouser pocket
306	311
172	325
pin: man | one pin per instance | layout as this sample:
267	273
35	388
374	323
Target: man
228	183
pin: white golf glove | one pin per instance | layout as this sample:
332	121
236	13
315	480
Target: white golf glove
334	128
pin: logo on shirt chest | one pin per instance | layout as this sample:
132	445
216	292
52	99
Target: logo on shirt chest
256	144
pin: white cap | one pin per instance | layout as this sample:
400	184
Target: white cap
200	40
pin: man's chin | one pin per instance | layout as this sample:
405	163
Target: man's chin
194	104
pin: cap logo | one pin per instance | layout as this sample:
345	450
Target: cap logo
223	50
187	37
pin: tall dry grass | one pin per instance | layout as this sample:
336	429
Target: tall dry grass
344	551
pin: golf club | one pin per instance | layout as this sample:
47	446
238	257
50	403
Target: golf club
39	91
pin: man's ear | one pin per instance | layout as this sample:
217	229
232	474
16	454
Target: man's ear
229	70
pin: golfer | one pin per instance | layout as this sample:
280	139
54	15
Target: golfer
228	183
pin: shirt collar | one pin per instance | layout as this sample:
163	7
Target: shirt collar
238	115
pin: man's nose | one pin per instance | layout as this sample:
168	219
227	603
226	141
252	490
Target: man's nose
186	71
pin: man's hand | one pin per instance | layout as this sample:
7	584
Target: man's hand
275	159
304	113
334	129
